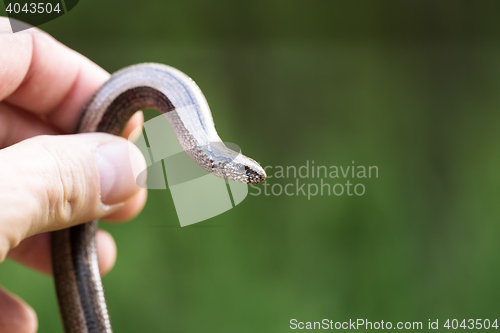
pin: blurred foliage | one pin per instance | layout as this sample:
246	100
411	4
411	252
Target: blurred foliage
411	87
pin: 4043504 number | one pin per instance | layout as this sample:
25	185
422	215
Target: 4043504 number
33	8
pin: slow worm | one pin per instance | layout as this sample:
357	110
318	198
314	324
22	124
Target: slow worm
78	283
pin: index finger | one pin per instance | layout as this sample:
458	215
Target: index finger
43	76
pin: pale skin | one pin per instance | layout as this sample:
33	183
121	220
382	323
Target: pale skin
49	180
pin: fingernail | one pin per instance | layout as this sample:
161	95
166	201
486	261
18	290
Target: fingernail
114	162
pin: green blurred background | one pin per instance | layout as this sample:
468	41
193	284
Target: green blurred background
409	86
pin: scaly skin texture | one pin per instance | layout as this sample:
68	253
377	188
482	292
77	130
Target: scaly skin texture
78	283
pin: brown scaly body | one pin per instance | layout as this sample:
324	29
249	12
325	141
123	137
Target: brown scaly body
78	284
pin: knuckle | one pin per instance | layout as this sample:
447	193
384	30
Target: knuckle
65	197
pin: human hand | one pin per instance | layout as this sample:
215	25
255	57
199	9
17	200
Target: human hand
51	181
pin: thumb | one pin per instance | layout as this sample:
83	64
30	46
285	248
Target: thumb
54	182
